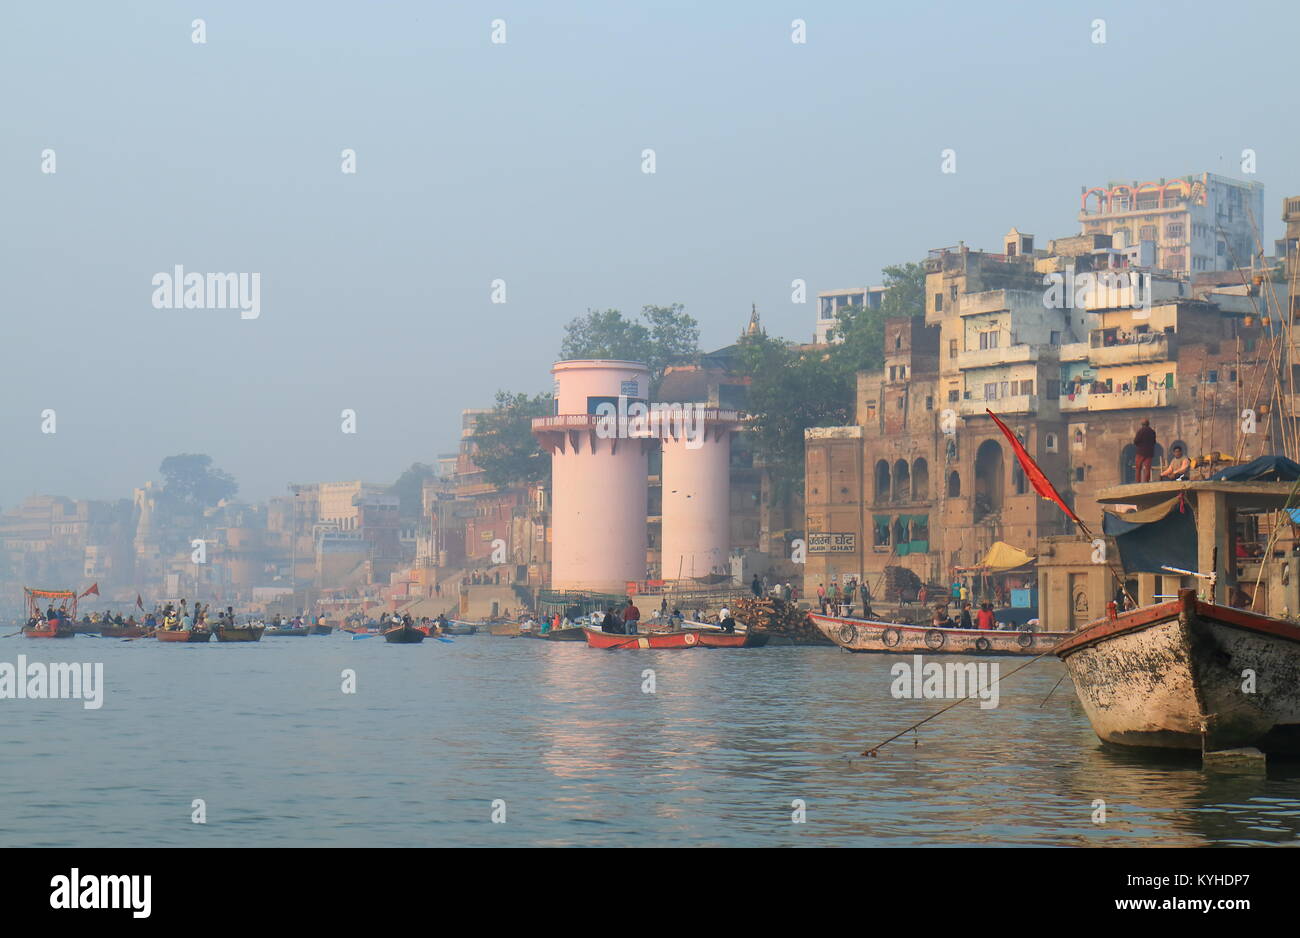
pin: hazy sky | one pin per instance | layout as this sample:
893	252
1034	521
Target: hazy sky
522	161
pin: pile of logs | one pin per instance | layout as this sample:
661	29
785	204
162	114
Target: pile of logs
900	583
769	614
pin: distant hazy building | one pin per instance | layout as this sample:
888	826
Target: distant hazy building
1196	223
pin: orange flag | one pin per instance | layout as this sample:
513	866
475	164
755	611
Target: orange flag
1032	472
94	588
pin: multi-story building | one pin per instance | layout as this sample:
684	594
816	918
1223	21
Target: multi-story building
830	302
1196	223
926	481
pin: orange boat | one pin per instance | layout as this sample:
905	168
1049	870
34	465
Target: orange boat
716	638
60	627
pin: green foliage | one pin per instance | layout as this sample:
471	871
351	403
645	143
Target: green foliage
409	488
859	332
666	336
191	481
905	290
791	390
505	448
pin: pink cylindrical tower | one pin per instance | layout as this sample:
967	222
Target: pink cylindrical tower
697	493
599	479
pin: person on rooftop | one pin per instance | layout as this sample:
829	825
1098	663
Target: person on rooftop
1179	467
1145	444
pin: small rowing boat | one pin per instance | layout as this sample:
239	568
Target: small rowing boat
404	635
123	631
286	632
240	633
678	639
183	635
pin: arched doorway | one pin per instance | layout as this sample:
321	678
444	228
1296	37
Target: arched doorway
1128	464
954	484
988	479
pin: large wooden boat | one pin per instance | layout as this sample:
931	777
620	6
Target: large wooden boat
318	628
240	633
865	635
1189	674
55	628
680	639
183	635
404	635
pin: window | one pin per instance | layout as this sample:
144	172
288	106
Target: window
1174	232
991	391
1027	387
929	402
1211	377
988	340
952	293
952	348
1055	339
1049	442
938	302
954	395
1078	473
1147	233
1220	249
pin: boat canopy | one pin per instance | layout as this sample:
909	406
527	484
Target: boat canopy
1263	469
1002	556
1155	536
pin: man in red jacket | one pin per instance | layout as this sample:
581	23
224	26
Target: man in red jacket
1145	444
631	616
984	618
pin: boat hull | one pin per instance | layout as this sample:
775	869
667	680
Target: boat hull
404	636
1189	675
123	631
598	639
43	631
460	628
286	633
321	629
863	635
249	634
183	635
710	638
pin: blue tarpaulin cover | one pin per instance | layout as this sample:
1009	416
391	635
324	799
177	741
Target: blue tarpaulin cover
1263	469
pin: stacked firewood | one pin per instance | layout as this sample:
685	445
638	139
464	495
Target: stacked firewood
769	614
900	582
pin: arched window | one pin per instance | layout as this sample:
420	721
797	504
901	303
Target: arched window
882	481
902	481
1050	444
954	484
920	479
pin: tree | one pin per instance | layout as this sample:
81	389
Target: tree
504	445
790	391
904	290
190	480
409	488
667	336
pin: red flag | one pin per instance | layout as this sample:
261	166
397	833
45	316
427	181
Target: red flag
1032	472
139	602
94	588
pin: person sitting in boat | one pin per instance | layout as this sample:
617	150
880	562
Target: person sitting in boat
985	619
729	624
611	624
676	619
50	614
965	620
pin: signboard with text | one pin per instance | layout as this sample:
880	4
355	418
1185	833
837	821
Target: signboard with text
827	542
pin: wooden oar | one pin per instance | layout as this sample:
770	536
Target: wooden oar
12	634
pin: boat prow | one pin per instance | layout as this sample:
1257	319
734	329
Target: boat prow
1190	675
404	635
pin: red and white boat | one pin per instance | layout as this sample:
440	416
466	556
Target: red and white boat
1189	674
865	635
63	626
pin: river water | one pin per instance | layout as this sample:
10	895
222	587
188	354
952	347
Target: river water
570	749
